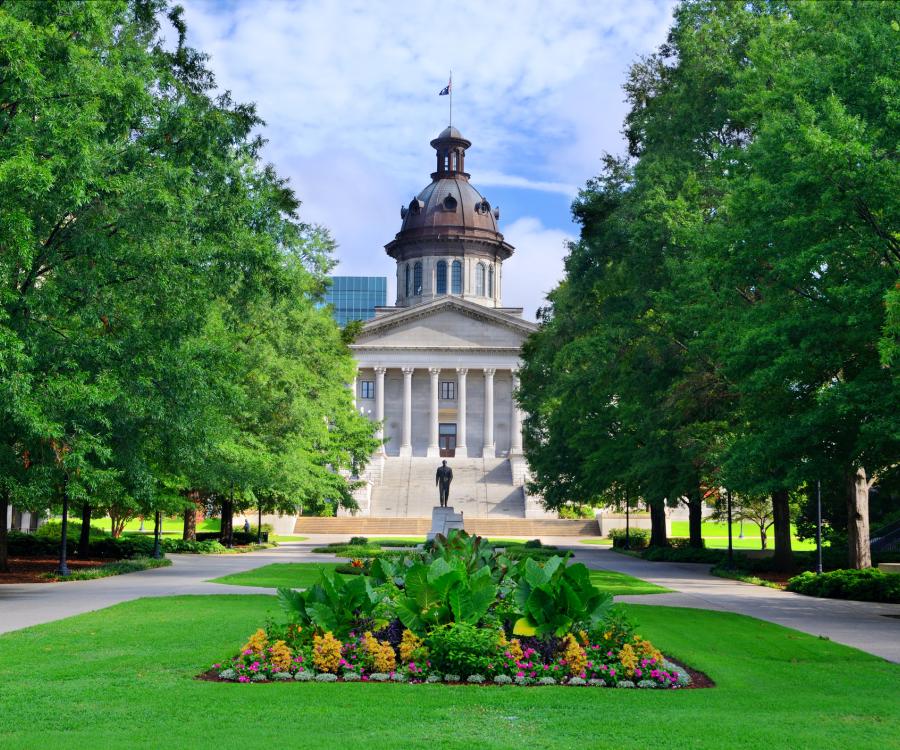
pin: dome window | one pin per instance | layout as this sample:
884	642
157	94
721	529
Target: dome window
456	277
450	203
415	205
408	282
417	278
441	277
490	286
479	279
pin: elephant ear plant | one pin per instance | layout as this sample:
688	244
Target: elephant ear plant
445	591
333	605
555	598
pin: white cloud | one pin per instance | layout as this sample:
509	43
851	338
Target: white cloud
349	93
536	267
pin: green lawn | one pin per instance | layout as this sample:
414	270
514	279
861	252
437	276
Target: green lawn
169	525
287	538
301	575
716	536
621	583
291	575
122	677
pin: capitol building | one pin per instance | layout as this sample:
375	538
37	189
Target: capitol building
438	369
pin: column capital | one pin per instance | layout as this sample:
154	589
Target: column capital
462	370
435	371
380	370
408	370
489	371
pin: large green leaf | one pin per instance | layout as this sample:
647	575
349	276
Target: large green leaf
324	617
410	615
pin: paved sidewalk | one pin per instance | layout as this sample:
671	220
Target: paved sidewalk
22	605
868	626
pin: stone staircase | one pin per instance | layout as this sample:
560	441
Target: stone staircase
531	528
481	488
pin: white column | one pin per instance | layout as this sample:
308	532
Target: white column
379	406
406	440
489	450
461	450
433	448
353	388
515	439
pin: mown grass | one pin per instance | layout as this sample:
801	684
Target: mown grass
123	677
302	575
120	567
291	575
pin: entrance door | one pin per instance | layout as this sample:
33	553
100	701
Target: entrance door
447	440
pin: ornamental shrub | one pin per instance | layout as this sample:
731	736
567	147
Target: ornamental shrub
326	653
637	538
870	585
463	649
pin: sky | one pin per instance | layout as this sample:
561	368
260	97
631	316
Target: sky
349	93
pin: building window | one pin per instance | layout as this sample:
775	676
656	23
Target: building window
490	281
407	285
448	390
441	277
367	389
417	278
479	279
456	277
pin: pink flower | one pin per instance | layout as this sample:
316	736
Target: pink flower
520	674
243	678
612	672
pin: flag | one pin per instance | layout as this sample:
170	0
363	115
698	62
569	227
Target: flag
446	89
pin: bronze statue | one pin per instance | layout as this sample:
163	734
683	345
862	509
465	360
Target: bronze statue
442	479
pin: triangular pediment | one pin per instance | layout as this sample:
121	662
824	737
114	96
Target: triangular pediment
449	322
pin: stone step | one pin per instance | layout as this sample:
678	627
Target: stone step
489	527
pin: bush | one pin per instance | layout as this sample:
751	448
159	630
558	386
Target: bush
111	569
360	540
53	530
638	538
464	650
682	542
869	585
206	547
34	545
684	554
237	537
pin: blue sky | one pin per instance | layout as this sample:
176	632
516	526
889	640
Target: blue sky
349	92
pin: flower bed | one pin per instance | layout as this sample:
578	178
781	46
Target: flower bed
463	613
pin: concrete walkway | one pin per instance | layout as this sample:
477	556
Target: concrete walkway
868	626
22	605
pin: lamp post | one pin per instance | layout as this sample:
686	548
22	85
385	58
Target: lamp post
259	525
818	527
730	546
63	568
627	524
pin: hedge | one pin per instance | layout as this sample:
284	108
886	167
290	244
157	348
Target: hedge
868	585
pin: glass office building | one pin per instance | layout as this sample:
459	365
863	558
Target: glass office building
356	297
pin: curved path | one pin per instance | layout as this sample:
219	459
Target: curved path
868	626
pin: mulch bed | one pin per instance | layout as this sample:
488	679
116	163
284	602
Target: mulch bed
29	569
699	680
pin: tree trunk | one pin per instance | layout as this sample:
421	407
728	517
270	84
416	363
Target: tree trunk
4	532
190	524
763	537
859	551
658	524
781	515
227	523
84	541
695	520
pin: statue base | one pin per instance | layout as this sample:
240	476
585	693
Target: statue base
444	519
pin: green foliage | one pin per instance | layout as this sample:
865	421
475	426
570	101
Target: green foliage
462	649
53	530
870	585
555	598
637	538
333	605
112	569
204	547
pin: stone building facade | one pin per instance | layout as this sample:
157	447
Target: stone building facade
439	368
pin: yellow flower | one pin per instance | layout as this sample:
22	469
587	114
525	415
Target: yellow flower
326	653
646	650
280	655
257	642
515	649
629	659
381	654
408	645
576	659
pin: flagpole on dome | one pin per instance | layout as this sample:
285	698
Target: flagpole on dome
450	86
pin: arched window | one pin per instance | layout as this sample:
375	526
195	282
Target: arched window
441	277
456	277
417	278
479	279
490	281
407	285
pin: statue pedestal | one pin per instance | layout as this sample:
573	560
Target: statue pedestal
444	519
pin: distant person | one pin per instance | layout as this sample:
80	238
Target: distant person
246	525
442	479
